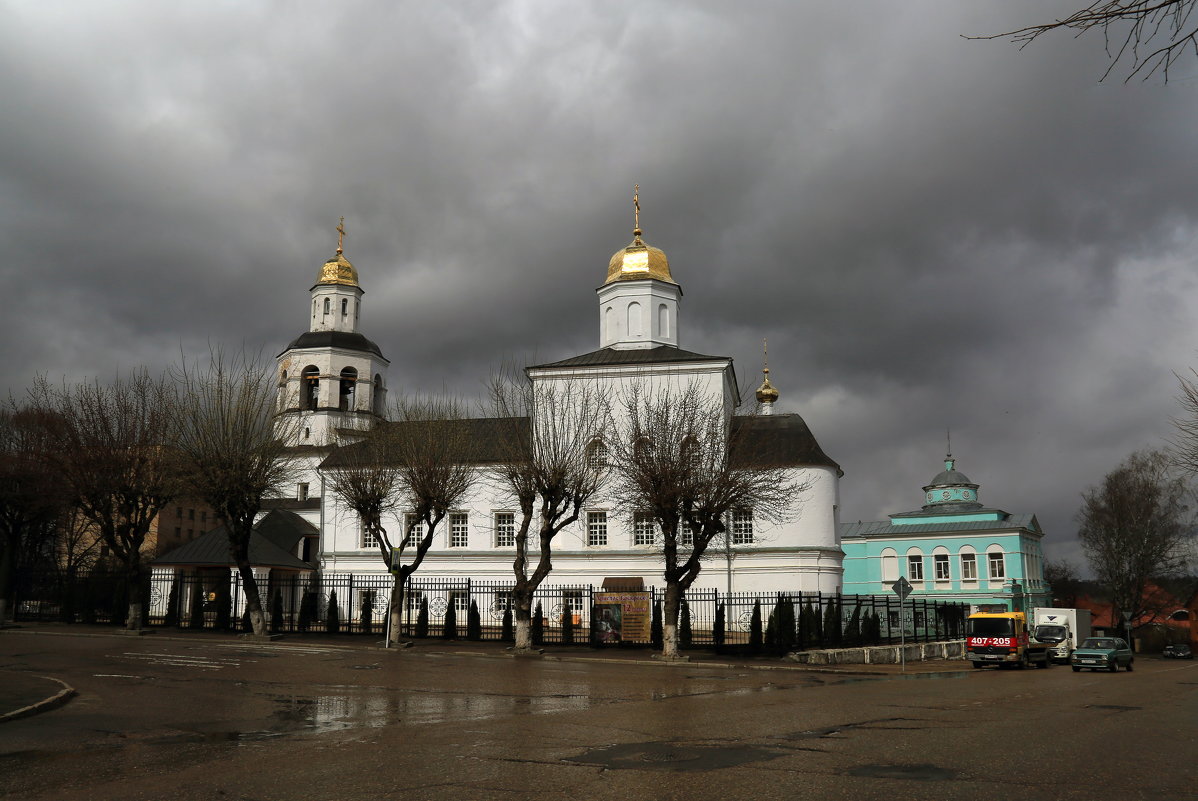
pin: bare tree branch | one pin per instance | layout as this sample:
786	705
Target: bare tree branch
1153	34
549	469
676	459
110	445
234	449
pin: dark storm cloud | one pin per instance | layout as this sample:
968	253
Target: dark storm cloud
932	232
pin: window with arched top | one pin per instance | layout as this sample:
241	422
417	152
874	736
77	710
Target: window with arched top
345	394
941	567
281	400
642	449
890	571
691	453
609	323
914	565
310	388
327	303
345	307
597	455
380	395
663	320
635	329
996	563
969	565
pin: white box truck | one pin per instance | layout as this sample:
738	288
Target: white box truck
1062	629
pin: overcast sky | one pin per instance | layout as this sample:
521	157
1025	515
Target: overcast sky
932	232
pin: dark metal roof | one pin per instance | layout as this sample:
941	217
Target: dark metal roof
884	528
212	550
309	504
484	440
603	356
344	340
777	440
285	528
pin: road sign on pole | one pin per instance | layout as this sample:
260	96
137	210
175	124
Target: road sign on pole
902	588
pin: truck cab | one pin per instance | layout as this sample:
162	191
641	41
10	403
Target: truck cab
1003	639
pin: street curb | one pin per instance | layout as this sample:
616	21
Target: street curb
799	667
45	705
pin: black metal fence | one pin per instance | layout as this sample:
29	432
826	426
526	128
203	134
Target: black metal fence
464	609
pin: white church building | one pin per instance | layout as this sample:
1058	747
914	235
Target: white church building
332	382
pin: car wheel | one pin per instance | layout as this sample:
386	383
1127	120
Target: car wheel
1114	666
976	664
1076	669
1129	662
1045	663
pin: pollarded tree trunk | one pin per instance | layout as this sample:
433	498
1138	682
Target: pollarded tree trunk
669	627
522	611
396	608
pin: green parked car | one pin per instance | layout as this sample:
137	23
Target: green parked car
1102	653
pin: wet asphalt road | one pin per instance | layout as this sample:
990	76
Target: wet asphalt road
212	719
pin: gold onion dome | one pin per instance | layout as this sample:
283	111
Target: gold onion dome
766	393
638	261
338	269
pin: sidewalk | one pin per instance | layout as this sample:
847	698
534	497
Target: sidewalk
23	694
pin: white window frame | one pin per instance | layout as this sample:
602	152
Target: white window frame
915	567
644	530
996	557
741	527
505	529
368	539
459	530
409	520
969	566
941	567
596	529
597	454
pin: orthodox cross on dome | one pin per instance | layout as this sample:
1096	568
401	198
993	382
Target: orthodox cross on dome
948	445
636	210
766	393
340	235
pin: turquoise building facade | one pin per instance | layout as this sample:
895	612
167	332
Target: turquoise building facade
952	549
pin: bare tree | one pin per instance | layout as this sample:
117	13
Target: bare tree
424	463
1061	577
233	450
1134	528
552	467
677	459
1152	34
109	444
31	500
365	476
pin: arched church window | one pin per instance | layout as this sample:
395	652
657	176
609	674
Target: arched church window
692	455
597	454
663	320
890	570
349	382
345	307
282	394
380	395
310	388
326	305
634	320
609	323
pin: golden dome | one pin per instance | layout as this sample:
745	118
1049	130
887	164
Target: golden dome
637	262
766	393
338	270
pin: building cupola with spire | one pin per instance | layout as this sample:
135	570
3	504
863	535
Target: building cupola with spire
332	376
638	303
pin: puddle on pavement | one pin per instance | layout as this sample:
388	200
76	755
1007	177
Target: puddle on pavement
673	756
926	773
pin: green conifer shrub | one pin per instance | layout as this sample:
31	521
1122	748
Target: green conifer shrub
655	632
474	622
684	625
537	626
449	629
755	640
332	618
422	618
507	632
717	628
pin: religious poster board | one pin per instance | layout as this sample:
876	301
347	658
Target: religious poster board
622	616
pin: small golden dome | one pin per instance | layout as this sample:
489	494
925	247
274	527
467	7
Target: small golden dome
637	262
766	393
338	270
